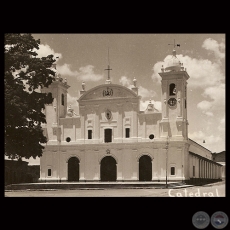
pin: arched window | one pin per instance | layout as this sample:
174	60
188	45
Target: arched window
127	132
172	89
90	133
49	172
173	171
62	99
108	135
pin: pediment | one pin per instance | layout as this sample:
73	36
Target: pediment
108	91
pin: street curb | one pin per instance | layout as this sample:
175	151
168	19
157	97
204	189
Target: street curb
173	187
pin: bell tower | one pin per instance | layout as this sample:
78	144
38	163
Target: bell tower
174	123
56	110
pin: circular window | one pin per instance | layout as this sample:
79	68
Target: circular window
151	136
68	139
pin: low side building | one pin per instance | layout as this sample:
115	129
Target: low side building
17	172
220	158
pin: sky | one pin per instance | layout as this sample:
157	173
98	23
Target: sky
84	57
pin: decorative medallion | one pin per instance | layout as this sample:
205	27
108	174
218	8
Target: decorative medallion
108	114
107	151
107	92
172	101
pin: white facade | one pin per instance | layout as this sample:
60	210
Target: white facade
112	140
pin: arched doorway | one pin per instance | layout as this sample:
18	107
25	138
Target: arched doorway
108	169
145	168
73	169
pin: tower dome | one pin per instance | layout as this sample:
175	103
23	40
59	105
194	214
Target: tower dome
174	63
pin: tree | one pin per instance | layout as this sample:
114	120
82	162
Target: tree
25	75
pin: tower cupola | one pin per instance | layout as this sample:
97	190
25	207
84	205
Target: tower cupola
174	63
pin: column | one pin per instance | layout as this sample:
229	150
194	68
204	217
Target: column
135	168
66	170
55	111
82	114
206	169
96	134
82	166
218	172
119	165
201	173
134	120
212	170
164	99
97	169
213	167
138	170
203	169
144	128
215	171
180	100
120	121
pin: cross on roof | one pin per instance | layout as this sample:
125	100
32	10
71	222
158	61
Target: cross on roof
174	44
108	66
108	72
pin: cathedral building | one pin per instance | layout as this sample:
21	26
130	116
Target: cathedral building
112	140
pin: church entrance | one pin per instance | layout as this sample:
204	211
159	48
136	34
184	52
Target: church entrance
108	169
145	168
73	169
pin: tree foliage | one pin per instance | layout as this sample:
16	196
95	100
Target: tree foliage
25	75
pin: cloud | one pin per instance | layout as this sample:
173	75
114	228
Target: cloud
208	113
157	69
216	95
65	70
204	106
126	82
45	50
221	126
71	100
145	93
197	135
87	74
212	45
200	136
202	72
